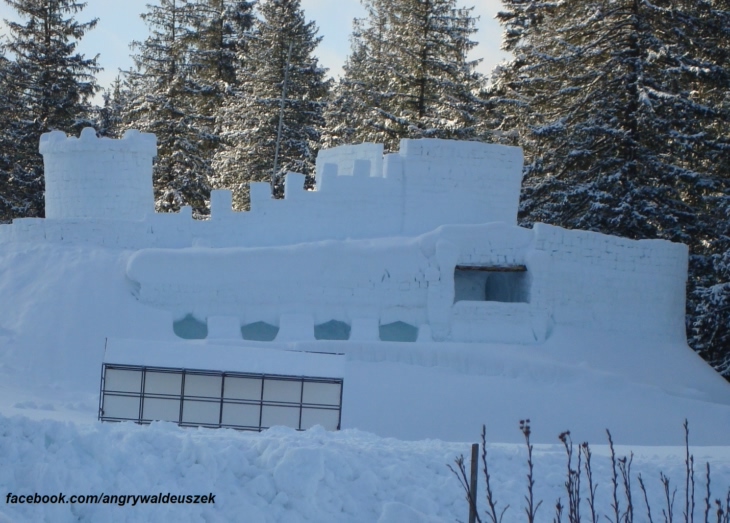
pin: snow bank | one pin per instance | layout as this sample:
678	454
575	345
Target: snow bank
288	476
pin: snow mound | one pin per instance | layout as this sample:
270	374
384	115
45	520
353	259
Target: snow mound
288	476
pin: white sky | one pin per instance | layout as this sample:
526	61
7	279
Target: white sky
119	24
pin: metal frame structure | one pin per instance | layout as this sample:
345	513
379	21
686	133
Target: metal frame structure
228	399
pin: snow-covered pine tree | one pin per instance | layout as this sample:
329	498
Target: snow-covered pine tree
408	76
219	29
709	286
619	108
51	85
11	196
109	120
164	93
216	50
249	121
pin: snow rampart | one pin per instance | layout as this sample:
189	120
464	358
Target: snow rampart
414	237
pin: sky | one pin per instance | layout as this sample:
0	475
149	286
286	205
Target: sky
120	23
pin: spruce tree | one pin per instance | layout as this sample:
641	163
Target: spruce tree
408	75
109	117
216	50
217	41
249	121
163	92
12	201
619	106
51	86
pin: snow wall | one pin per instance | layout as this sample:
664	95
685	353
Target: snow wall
424	239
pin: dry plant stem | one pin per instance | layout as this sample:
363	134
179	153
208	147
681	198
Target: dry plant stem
572	483
707	497
531	509
669	511
491	503
646	499
723	513
460	473
614	480
624	466
558	512
586	450
689	479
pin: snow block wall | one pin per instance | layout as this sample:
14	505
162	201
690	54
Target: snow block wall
612	283
98	178
426	237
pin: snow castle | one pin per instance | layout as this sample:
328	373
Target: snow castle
273	316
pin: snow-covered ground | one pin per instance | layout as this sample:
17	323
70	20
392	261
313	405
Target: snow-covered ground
288	476
59	302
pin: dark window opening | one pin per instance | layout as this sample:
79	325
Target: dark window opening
485	283
259	331
398	331
332	330
190	328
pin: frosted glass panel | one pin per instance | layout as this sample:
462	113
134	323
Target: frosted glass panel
203	412
209	398
123	380
321	393
329	419
287	416
280	390
161	409
200	385
242	415
162	383
242	388
125	407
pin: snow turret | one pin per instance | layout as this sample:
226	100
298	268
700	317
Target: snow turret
98	178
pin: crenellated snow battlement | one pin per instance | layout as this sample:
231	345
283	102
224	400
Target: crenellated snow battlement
99	190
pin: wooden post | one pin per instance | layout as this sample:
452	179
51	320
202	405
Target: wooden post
473	484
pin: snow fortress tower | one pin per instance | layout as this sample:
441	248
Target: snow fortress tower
95	179
412	257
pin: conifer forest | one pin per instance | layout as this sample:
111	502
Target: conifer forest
622	108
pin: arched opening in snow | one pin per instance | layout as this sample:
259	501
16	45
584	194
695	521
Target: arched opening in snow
503	284
190	328
332	330
398	331
259	331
